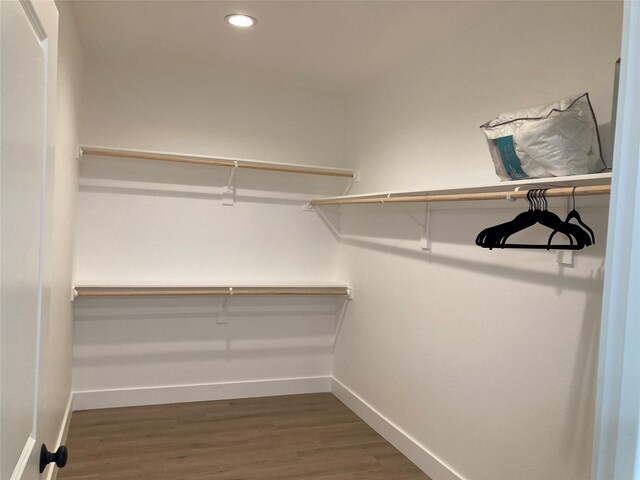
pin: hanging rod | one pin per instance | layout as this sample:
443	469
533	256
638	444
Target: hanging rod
216	161
209	292
456	197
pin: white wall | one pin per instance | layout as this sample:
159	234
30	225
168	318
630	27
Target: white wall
129	351
153	222
485	358
419	125
129	231
209	112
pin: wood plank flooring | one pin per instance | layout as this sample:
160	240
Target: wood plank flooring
310	436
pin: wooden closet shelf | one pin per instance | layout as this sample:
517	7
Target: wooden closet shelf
601	186
215	161
210	291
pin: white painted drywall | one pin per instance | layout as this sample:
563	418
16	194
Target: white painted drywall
418	126
133	343
485	358
142	221
211	112
130	233
65	181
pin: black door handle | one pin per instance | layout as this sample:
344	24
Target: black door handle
46	457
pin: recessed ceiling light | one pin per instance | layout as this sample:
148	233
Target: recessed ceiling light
239	20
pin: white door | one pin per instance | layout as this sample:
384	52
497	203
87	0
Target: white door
23	127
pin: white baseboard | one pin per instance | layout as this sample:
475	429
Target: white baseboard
410	448
23	460
52	472
127	397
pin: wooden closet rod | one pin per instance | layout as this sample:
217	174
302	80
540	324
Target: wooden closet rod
216	162
456	197
211	292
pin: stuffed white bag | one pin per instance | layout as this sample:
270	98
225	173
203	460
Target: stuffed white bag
546	141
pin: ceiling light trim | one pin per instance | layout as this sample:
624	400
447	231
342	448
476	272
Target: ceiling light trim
240	20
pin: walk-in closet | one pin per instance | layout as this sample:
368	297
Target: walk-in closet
328	240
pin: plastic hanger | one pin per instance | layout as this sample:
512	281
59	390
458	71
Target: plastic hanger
574	214
552	221
496	236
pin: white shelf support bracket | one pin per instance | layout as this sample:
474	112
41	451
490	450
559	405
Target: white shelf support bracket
223	310
228	192
222	317
425	239
355	179
517	189
565	258
350	293
228	196
74	294
232	174
308	207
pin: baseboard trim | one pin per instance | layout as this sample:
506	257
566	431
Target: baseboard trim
52	474
23	460
128	397
410	448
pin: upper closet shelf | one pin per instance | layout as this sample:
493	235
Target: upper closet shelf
593	184
85	151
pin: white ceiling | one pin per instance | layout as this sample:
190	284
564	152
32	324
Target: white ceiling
332	45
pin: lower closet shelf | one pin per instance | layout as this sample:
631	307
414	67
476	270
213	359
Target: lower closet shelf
212	291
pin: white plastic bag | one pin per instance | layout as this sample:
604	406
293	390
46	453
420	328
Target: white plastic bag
546	141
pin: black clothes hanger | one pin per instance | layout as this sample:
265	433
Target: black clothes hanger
552	221
496	236
574	214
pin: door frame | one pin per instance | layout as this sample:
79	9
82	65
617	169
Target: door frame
616	430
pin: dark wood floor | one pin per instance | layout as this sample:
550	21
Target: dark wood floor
290	437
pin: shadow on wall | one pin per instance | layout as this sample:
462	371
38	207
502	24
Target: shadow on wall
215	195
451	222
196	181
397	232
561	282
580	408
112	332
